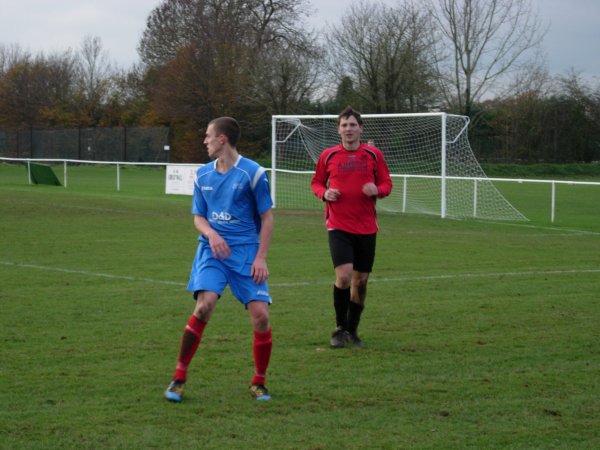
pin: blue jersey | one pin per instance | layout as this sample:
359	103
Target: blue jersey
233	202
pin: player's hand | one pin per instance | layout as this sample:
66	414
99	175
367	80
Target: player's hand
370	190
331	195
218	246
259	270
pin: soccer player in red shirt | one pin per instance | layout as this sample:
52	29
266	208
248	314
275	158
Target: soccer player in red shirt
349	178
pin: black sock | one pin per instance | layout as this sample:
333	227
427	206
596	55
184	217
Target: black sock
354	312
341	300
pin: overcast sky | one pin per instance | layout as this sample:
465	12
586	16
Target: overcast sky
573	40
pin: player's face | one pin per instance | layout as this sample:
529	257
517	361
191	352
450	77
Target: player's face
214	143
350	132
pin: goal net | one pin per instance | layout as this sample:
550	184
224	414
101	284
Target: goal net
433	168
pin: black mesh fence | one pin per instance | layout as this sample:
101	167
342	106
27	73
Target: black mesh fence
134	144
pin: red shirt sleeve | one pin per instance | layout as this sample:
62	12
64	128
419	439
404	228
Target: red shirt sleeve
319	180
383	180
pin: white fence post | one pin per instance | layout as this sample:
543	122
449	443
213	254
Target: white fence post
553	202
475	197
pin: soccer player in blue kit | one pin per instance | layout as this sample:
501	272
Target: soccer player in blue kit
232	210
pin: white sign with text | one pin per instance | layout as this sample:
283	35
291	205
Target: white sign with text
180	179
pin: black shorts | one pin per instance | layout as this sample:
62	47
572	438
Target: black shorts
358	249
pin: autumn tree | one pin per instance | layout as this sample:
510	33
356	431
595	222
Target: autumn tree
204	56
129	100
38	91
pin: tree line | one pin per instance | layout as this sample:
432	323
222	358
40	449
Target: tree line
251	59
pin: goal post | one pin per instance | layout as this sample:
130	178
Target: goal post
432	165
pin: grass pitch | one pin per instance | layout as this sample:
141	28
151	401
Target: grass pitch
478	335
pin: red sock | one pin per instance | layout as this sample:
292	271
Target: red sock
192	335
263	342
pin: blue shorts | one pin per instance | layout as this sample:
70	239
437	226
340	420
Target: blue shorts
212	274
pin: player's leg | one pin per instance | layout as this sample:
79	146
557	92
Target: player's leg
359	287
363	264
256	299
356	306
342	254
190	341
207	282
259	315
192	334
261	348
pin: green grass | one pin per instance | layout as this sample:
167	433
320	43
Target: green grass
478	335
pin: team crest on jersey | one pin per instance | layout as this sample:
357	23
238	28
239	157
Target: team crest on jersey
353	166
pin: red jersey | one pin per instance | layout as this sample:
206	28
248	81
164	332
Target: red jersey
348	171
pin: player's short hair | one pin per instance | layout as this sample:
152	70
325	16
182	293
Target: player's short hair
229	127
349	112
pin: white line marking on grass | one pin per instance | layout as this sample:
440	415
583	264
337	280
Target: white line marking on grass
454	276
556	230
91	274
95	209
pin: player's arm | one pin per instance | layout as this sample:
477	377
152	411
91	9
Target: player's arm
218	246
382	187
319	180
320	185
384	181
259	270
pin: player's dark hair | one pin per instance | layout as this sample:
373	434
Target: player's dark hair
349	112
229	127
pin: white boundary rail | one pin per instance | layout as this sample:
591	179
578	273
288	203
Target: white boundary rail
553	183
405	178
81	161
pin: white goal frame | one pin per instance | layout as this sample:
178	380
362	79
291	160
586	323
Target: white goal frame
480	184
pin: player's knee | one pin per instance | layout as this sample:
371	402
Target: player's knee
260	317
261	324
343	280
343	276
203	310
360	280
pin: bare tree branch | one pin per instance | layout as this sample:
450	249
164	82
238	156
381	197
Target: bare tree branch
386	53
489	39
